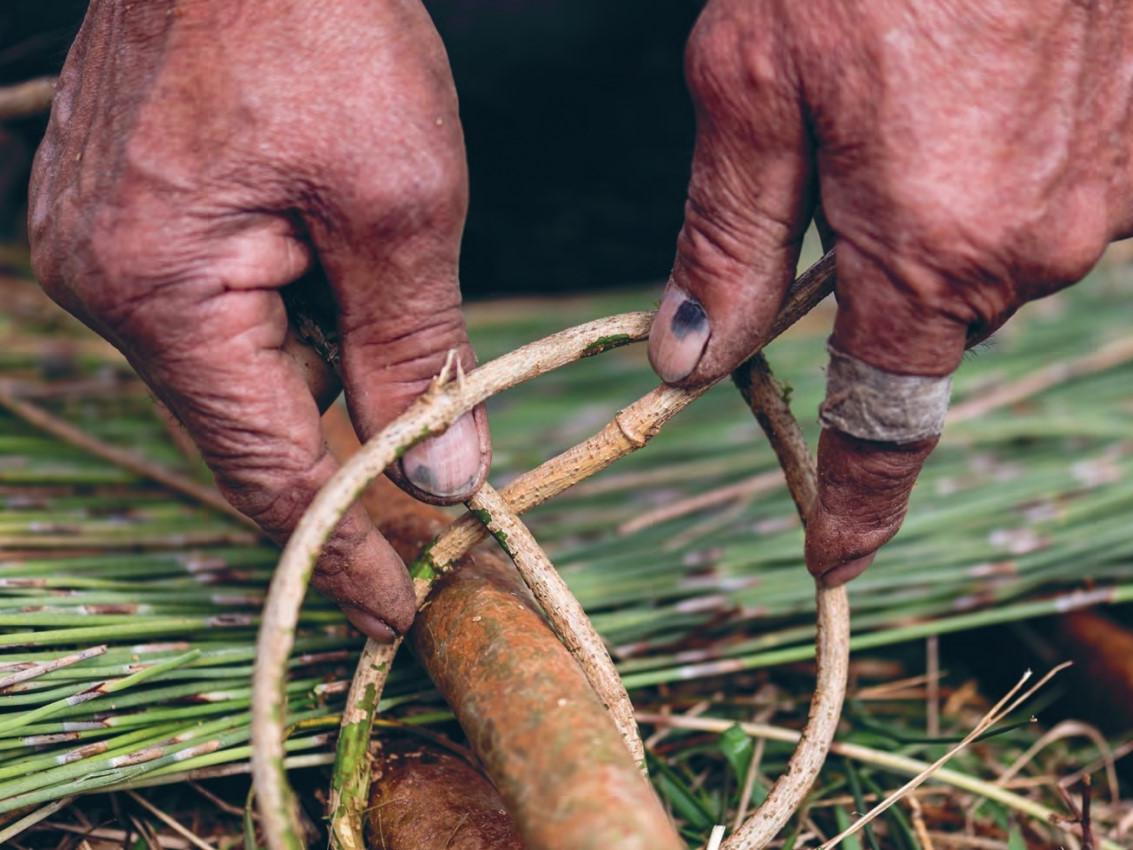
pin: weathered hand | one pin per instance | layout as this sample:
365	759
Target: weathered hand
969	155
203	154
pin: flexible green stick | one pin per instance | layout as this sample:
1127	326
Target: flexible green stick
101	689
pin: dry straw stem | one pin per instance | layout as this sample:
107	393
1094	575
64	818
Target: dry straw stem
832	642
431	414
29	820
171	822
26	99
51	424
764	482
1107	357
878	758
1000	710
33	671
564	613
1067	729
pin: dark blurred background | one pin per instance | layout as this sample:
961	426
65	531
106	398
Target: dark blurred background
578	128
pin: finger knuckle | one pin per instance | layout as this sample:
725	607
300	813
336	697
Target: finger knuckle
1062	254
724	238
729	53
427	189
128	268
436	180
984	258
413	352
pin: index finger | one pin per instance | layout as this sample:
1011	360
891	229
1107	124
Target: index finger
243	398
749	199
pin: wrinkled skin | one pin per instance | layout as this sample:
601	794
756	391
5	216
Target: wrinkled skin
200	156
968	156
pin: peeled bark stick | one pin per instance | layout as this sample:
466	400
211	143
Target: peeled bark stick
564	613
431	414
832	642
425	798
532	717
23	100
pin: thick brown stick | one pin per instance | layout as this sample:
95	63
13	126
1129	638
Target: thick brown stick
424	798
25	99
582	731
544	737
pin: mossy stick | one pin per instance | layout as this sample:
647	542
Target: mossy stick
768	403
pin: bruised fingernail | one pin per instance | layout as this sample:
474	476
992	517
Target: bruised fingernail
449	464
849	570
678	336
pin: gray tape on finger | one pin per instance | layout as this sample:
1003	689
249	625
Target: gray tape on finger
872	404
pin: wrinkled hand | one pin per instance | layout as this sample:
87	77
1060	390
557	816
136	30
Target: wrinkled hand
968	155
203	154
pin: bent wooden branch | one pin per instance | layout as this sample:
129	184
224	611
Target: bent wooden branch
631	429
564	613
832	642
429	415
524	703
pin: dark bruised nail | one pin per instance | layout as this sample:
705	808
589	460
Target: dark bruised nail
680	332
689	318
449	464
